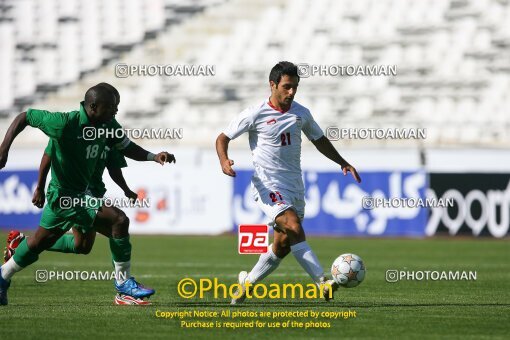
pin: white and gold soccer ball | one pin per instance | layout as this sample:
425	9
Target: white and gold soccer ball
348	270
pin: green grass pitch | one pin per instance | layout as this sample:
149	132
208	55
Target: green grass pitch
409	309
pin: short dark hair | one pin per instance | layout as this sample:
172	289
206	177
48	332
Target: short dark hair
111	88
283	68
97	94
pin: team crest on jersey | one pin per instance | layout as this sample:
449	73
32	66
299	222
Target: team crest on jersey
271	121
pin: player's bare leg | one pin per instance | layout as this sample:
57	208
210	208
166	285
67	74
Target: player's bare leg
287	232
291	225
78	243
289	221
104	230
26	253
281	243
114	223
119	230
281	247
43	239
83	242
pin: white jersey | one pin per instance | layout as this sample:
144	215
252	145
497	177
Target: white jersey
275	142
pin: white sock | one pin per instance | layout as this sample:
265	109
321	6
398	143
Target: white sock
267	263
308	260
122	271
9	269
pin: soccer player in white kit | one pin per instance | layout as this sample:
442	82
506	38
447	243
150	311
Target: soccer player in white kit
274	128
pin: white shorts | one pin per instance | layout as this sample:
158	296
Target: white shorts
275	202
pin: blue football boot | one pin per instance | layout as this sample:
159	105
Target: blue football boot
132	288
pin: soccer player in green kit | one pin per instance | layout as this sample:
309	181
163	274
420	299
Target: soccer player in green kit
110	159
73	161
76	243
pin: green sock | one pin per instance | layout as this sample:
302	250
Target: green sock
65	244
24	256
121	249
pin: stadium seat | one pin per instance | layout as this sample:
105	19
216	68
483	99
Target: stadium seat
451	57
7	70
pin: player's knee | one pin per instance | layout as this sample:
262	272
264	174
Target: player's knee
122	220
290	222
293	227
121	226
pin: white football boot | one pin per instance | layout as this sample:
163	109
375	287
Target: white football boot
240	292
326	285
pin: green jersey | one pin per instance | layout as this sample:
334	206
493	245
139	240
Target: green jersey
110	158
74	158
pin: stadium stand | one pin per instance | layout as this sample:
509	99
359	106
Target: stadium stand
452	58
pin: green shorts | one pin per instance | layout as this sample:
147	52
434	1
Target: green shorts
64	212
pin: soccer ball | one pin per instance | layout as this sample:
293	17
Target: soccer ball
348	270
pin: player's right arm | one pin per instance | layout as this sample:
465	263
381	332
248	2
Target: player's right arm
18	125
239	125
222	150
51	123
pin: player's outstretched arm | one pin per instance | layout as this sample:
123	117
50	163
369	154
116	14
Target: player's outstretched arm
222	150
139	154
327	149
19	123
118	178
39	197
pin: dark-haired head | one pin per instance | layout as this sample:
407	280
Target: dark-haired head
100	104
283	68
284	81
112	89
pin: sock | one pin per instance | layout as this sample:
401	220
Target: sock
24	256
64	244
308	260
122	271
10	268
267	263
121	249
121	255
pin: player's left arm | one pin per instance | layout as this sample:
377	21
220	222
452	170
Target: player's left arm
139	154
118	178
132	150
327	149
39	196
